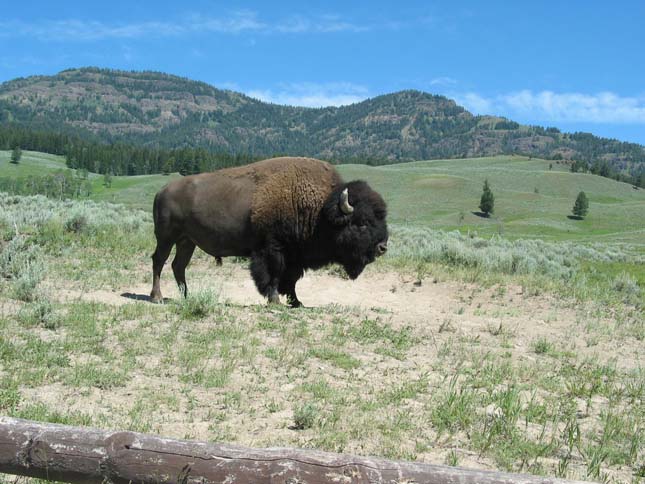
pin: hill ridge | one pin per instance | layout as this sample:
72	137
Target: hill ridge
158	109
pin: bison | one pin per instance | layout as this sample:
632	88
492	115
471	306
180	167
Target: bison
286	214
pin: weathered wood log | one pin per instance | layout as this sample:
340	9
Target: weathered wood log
74	454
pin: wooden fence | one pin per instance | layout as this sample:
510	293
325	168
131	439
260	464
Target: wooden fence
77	454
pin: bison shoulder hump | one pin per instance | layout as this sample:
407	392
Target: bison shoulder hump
291	199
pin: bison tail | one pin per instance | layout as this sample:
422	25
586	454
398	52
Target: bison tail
155	208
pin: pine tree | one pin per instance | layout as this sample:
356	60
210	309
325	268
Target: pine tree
487	203
16	154
581	207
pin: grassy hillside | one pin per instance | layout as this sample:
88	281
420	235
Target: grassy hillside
133	191
531	201
32	163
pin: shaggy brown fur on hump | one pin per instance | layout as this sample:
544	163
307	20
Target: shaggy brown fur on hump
290	193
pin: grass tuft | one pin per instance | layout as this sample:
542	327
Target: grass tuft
305	416
198	305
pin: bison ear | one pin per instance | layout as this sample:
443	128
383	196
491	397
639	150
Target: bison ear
345	207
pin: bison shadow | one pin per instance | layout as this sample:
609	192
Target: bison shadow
140	297
481	214
574	217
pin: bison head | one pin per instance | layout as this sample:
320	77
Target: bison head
356	215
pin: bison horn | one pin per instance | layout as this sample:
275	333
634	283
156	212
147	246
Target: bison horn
344	203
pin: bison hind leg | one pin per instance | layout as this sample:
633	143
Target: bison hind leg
184	252
159	258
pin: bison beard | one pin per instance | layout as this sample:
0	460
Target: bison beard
298	215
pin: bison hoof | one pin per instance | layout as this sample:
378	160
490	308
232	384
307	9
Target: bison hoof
156	298
294	303
274	298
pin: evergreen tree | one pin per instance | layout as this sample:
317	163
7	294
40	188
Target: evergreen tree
581	207
107	180
16	154
487	203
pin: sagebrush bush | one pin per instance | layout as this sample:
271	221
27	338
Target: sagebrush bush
625	283
18	256
77	223
25	287
558	260
19	212
39	313
23	265
628	287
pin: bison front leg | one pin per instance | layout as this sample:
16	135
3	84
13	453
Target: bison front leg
288	285
184	251
267	267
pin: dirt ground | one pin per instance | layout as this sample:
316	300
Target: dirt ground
438	312
405	300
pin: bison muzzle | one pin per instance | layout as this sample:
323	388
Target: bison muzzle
286	214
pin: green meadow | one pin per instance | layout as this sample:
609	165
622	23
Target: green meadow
533	198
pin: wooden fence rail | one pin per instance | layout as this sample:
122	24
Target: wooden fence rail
77	454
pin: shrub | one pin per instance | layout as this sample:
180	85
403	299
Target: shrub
628	286
22	263
76	223
38	313
25	288
305	416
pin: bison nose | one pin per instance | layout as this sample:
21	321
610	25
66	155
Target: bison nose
381	248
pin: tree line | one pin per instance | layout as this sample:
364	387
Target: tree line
604	169
118	158
123	158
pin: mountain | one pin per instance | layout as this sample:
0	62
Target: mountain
164	111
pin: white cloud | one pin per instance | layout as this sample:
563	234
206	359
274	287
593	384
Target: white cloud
234	23
312	94
603	107
443	81
325	24
474	102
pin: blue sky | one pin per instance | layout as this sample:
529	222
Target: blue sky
577	65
